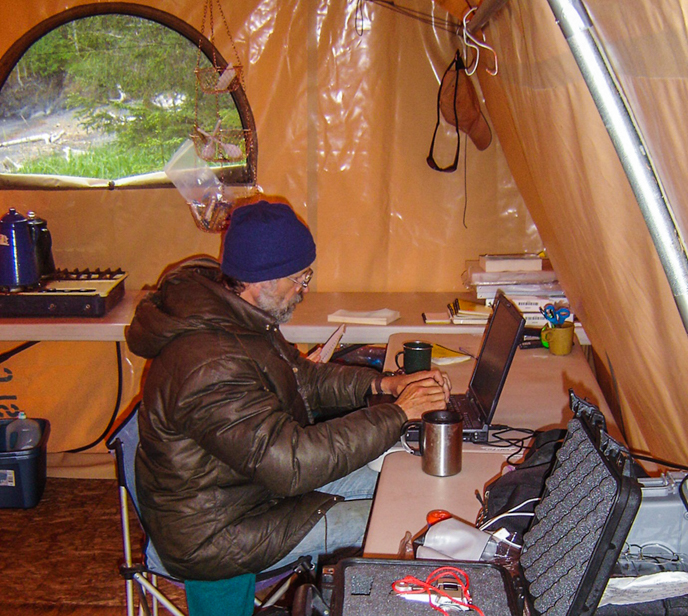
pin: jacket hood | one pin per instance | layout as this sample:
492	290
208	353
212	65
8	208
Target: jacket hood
189	298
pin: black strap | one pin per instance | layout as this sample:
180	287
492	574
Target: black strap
12	352
458	65
118	402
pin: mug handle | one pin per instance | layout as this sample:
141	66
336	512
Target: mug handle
396	360
404	433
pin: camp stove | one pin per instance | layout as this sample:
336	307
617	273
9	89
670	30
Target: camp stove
66	293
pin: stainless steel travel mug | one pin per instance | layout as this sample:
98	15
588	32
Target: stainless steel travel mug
440	442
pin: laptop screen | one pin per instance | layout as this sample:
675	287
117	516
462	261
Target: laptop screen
502	338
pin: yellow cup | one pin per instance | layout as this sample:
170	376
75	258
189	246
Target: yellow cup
559	338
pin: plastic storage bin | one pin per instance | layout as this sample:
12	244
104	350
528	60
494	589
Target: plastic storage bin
22	473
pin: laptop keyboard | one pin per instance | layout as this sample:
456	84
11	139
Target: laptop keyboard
458	403
454	404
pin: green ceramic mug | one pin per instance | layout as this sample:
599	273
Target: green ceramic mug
417	356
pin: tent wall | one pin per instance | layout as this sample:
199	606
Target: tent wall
344	123
570	176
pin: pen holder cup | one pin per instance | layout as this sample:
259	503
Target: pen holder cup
559	338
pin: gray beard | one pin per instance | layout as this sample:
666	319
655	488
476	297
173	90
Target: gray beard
275	307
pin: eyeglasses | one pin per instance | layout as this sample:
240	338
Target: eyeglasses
306	278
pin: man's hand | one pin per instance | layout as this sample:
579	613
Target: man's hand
418	392
396	384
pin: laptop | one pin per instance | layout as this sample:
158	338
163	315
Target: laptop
478	404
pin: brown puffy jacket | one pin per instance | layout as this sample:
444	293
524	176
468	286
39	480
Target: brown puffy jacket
238	431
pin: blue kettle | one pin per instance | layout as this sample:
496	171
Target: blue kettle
18	266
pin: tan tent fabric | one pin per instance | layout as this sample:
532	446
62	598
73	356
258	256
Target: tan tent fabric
581	201
344	124
649	50
72	385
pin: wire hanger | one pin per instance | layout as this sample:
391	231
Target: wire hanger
470	41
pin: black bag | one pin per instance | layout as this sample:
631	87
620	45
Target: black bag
525	482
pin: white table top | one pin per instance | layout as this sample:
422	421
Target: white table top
535	396
309	324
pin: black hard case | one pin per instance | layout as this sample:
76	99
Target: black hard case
589	504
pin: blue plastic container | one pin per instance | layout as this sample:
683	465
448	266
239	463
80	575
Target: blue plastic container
23	473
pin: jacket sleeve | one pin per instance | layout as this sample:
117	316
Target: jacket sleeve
329	389
226	408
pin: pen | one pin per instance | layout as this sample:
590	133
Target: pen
465	352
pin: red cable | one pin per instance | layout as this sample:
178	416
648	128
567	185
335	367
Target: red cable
428	587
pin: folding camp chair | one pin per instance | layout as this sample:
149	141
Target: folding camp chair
143	572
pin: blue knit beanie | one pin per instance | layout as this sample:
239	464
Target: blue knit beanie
266	241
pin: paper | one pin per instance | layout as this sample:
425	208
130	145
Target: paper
466	312
446	361
376	464
510	262
462	319
475	275
385	316
629	590
324	353
467	308
535	319
436	317
443	356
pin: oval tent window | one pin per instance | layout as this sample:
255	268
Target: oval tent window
105	101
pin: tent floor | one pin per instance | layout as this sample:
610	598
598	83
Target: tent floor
61	557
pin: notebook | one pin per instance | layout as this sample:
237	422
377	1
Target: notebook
479	403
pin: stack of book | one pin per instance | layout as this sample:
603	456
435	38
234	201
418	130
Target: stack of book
464	312
460	312
527	279
530	306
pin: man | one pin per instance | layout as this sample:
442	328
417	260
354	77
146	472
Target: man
246	446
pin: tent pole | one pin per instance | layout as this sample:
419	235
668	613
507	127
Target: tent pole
576	25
